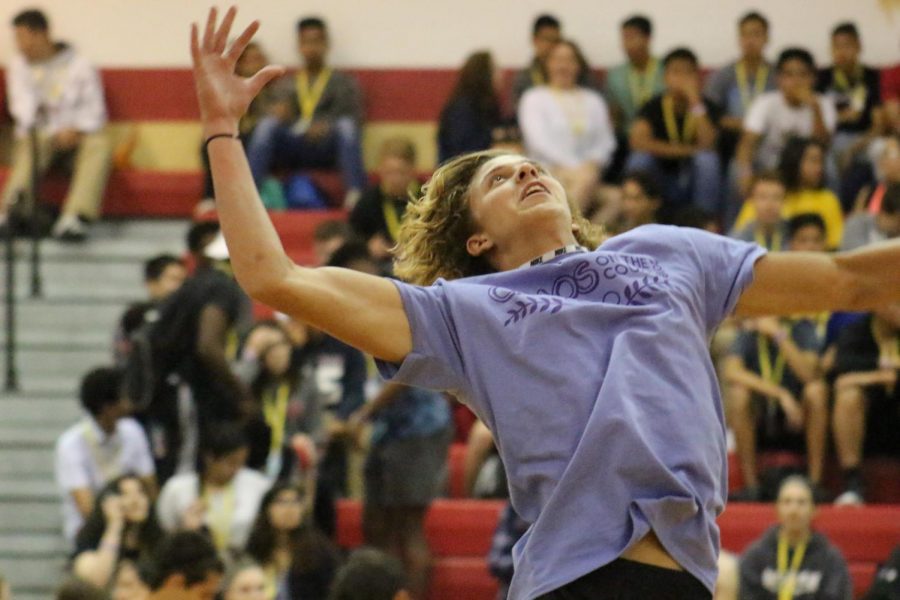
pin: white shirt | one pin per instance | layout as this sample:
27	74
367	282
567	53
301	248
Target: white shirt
566	128
88	458
183	490
59	93
776	121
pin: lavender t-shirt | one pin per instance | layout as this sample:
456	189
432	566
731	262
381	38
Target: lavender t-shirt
593	372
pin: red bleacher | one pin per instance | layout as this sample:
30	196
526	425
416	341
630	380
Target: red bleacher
459	532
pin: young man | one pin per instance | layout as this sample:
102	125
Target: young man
376	217
545	33
768	229
854	89
186	567
99	448
772	375
734	87
55	91
674	137
791	560
370	574
591	368
866	394
630	85
316	118
794	110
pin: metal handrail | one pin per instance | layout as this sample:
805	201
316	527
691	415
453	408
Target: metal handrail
36	281
12	374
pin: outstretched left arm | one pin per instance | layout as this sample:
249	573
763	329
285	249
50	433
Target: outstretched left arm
789	283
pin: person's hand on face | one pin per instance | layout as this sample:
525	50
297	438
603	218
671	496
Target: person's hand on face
113	511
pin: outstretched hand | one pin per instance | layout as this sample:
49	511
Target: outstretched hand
224	96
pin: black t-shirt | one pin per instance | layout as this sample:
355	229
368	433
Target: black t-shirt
367	218
866	96
652	112
174	336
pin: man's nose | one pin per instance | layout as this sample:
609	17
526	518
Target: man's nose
525	171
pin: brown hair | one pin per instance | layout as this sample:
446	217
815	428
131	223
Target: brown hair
398	147
432	239
769	175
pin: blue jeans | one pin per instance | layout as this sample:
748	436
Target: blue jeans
696	181
273	145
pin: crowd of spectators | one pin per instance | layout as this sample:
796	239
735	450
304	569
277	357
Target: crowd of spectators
212	451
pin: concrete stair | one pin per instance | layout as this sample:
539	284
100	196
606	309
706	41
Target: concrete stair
60	335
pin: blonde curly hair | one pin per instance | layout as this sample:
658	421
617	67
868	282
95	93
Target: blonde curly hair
432	240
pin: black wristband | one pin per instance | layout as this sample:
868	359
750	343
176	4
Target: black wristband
233	136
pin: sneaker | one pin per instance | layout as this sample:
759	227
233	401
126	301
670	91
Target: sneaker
850	498
70	228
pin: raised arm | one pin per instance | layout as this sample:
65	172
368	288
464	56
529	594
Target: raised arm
362	310
788	283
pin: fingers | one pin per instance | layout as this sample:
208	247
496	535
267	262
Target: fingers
195	44
210	32
221	36
238	45
264	76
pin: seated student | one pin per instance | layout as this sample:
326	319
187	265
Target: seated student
854	89
292	419
633	83
802	169
793	110
52	88
886	585
866	228
223	497
163	275
642	200
186	567
249	63
545	33
866	395
297	560
791	560
122	527
370	575
472	111
567	127
674	137
315	118
772	375
99	448
376	217
886	159
734	87
768	228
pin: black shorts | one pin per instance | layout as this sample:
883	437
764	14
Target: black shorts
628	580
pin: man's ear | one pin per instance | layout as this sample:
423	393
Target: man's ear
478	244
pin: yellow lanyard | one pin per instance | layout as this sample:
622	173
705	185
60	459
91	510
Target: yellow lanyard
857	91
391	218
574	109
776	240
275	413
747	95
773	373
690	123
108	462
537	76
309	97
888	350
219	518
787	579
641	85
